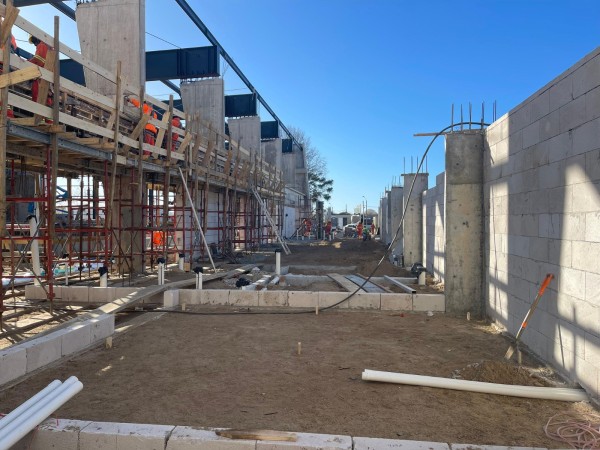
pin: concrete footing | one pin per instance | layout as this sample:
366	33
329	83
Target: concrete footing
24	358
85	435
307	299
80	294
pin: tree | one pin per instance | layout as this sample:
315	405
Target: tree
319	186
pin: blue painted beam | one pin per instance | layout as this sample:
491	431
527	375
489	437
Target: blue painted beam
197	62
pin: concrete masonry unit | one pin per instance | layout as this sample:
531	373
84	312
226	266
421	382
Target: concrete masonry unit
306	299
28	356
85	435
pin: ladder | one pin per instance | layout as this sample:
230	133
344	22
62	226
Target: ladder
263	205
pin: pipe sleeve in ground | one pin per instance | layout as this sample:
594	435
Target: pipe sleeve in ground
546	393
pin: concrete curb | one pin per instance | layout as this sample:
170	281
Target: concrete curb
85	435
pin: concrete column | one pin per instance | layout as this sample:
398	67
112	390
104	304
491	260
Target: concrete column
271	151
246	131
464	223
206	98
109	31
413	227
132	223
395	214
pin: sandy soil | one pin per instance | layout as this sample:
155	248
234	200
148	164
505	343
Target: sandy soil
243	371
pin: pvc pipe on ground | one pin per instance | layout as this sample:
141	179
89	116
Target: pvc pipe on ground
547	393
27	404
104	280
37	413
181	261
199	281
422	279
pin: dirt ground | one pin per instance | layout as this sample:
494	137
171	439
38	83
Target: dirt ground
243	371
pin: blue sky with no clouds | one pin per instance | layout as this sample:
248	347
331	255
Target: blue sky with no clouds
361	77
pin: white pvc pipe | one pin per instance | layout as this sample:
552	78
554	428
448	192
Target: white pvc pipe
199	280
547	393
26	405
180	262
104	280
278	263
421	279
35	415
161	274
35	247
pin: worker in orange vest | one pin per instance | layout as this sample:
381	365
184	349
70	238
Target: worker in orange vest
176	123
39	59
150	131
359	230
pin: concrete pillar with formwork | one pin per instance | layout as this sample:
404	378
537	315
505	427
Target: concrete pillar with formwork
246	132
412	228
394	209
464	223
111	31
207	99
129	219
272	152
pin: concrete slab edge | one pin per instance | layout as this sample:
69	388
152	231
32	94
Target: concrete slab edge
84	435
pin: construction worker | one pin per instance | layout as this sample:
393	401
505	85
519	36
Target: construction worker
307	227
373	228
176	123
39	59
328	230
150	131
359	230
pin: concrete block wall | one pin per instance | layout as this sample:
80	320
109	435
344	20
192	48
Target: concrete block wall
542	200
434	232
21	359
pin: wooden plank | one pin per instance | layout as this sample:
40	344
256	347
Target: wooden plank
343	282
44	86
36	108
162	127
10	16
139	128
29	73
262	435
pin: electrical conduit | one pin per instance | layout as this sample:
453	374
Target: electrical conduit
547	393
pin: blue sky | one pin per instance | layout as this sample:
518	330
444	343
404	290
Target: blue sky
361	77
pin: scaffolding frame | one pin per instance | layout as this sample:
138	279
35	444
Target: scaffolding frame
119	189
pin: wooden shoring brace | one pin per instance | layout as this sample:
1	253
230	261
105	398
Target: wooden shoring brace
166	124
44	88
137	132
115	152
5	32
19	76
